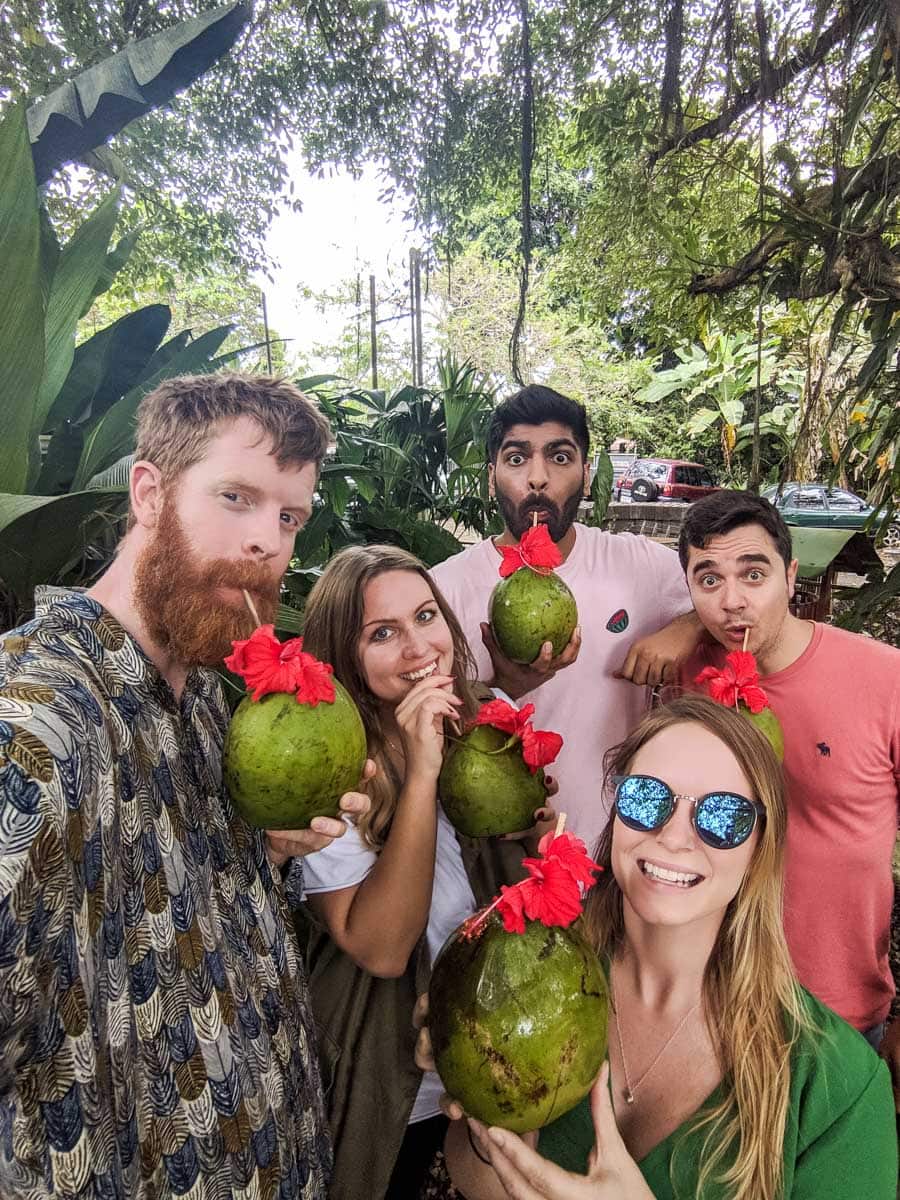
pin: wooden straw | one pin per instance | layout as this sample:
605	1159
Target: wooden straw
560	824
746	636
251	606
534	519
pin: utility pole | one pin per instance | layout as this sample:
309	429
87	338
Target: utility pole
419	354
373	340
412	313
266	329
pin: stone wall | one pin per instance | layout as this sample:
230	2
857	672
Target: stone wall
660	521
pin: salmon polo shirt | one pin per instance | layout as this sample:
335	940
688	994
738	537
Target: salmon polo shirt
839	707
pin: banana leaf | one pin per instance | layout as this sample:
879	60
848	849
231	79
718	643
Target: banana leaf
113	435
41	535
94	106
21	303
74	281
109	364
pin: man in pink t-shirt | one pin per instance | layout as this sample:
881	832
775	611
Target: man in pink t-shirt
837	696
627	589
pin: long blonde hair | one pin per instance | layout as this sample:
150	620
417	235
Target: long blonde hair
750	994
331	630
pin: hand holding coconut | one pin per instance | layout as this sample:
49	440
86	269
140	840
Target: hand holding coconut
526	1175
282	844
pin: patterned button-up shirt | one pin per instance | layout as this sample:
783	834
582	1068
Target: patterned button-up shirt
155	1033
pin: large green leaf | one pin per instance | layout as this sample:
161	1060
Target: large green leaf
61	460
80	263
40	535
89	109
109	364
21	305
113	435
601	489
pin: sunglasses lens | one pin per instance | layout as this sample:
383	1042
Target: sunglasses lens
724	820
643	802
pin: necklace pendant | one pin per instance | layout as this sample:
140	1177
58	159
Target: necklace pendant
629	1096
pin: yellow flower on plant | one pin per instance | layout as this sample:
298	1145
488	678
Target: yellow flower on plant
858	416
882	462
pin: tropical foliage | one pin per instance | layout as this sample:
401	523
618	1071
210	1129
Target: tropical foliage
67	412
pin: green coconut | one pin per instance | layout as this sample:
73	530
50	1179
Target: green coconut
768	725
518	1022
485	785
285	762
529	608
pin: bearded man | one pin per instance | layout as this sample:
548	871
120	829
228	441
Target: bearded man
155	1032
627	590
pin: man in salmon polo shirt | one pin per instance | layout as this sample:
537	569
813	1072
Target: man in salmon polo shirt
627	589
837	696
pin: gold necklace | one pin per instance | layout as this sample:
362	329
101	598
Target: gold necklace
631	1088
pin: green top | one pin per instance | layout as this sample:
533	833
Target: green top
839	1141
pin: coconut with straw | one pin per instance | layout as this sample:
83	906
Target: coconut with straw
531	605
518	1001
296	742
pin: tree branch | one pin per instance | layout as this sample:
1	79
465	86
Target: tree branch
777	79
527	160
851	184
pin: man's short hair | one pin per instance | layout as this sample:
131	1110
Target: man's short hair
722	511
177	420
534	405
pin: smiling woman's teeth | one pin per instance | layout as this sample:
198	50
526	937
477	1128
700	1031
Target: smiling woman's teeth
423	673
678	877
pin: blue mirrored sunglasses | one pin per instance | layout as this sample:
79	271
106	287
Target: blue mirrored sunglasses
722	819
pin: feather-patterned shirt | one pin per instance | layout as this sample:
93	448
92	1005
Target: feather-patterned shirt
155	1034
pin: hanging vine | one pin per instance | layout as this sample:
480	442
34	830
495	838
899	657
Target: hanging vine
526	163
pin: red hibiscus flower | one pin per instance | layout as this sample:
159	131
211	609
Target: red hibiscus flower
539	746
504	716
737	680
268	665
535	549
571	852
552	892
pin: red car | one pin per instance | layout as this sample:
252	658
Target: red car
665	479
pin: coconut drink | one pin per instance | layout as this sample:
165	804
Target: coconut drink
518	1001
296	742
531	605
492	778
736	684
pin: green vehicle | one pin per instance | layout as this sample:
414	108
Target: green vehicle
820	507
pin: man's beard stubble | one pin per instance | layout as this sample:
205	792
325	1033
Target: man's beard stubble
519	517
176	594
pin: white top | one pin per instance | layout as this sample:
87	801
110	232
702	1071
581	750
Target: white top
348	860
625	587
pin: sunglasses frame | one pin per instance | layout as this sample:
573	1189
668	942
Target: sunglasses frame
759	809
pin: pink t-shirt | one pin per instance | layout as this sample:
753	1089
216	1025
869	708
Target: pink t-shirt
839	707
625	587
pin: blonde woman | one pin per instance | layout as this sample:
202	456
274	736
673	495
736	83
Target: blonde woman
725	1078
382	905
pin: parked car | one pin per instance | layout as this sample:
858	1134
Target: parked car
665	479
823	507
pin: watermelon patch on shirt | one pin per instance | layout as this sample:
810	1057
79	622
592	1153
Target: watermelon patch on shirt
618	622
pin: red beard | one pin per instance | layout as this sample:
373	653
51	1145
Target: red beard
177	595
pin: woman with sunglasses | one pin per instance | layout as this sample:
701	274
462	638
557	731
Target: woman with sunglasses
725	1078
382	904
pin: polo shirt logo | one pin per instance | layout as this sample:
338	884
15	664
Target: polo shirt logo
618	622
824	749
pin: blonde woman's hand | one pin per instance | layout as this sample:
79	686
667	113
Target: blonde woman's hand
282	844
526	1175
420	716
